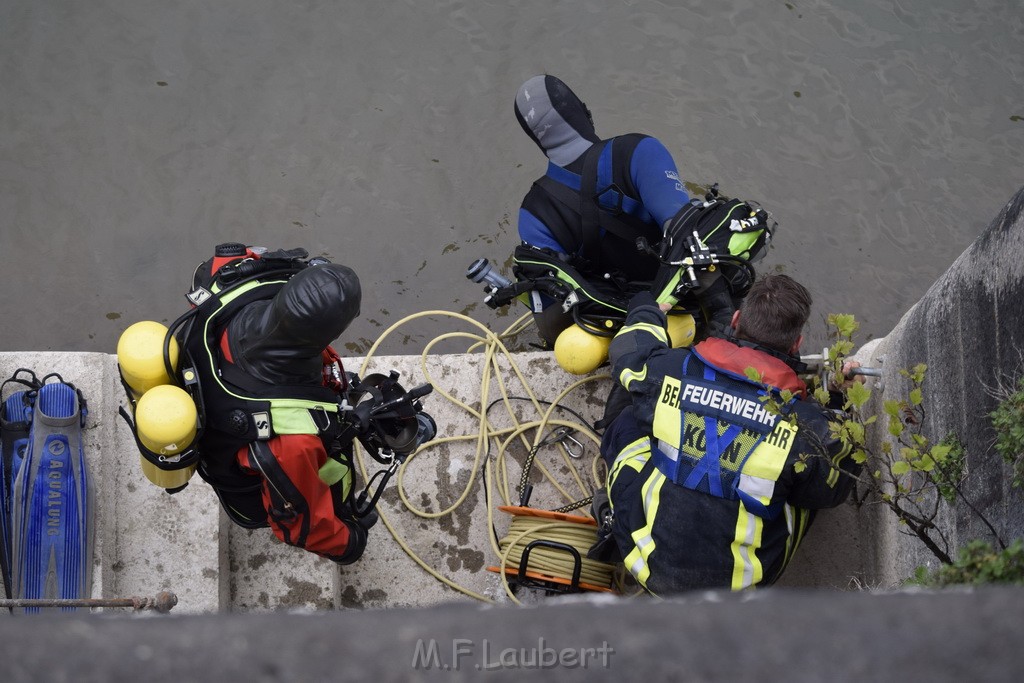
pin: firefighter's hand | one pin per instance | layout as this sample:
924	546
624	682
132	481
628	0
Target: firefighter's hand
641	299
846	380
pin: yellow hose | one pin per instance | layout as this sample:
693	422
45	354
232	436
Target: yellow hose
493	351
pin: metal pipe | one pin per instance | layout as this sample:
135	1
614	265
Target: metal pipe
162	603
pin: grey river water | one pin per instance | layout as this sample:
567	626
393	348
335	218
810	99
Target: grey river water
137	134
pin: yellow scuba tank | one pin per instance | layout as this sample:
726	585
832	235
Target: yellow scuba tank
579	351
166	420
681	329
140	355
165	415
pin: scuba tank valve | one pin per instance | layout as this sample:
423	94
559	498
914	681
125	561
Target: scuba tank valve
482	271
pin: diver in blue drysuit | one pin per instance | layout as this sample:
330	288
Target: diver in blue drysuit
638	186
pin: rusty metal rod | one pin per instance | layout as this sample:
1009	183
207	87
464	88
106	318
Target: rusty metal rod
162	603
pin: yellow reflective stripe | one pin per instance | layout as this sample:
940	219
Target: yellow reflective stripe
656	330
833	475
637	559
634	456
667	416
796	524
293	416
746	568
637	567
768	459
764	466
627	376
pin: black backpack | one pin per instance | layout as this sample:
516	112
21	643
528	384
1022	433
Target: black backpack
716	232
734	232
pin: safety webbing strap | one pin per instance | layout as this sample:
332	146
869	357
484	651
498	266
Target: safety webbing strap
287	502
589	209
581	194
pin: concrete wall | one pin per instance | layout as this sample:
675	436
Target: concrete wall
969	330
792	636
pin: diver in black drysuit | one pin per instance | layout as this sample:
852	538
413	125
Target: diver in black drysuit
638	183
281	345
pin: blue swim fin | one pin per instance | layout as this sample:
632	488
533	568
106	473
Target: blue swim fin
15	420
52	502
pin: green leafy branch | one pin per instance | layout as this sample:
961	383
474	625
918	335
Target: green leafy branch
978	564
909	474
1008	421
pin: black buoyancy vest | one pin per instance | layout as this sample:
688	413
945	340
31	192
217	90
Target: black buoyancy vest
236	409
607	201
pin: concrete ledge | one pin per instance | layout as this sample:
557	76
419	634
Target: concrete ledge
149	541
780	635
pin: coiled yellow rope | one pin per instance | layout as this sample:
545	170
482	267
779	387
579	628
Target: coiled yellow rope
494	352
549	561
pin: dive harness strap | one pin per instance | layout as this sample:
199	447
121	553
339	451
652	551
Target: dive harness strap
586	202
589	210
286	501
256	390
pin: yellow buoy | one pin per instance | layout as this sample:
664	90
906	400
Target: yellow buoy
140	355
681	329
166	420
580	352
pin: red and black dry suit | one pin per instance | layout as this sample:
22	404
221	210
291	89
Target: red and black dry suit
704	480
269	447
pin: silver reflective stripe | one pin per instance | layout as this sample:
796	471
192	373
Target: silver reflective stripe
649	495
643	542
655	331
747	551
758	487
627	376
632	450
669	451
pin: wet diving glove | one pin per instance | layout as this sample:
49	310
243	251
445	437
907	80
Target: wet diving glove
357	537
604	549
